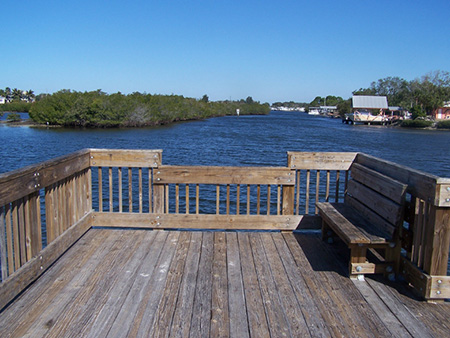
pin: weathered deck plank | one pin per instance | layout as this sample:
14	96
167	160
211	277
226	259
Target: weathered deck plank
121	283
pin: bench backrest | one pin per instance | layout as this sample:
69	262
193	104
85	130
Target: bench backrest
379	198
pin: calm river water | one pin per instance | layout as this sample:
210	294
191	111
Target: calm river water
232	140
240	141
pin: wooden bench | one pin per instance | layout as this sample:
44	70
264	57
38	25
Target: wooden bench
369	218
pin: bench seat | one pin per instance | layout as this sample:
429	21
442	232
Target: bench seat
350	226
369	218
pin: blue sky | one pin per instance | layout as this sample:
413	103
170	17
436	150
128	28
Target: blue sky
270	50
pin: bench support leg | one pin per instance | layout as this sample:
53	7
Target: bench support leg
327	233
392	256
357	255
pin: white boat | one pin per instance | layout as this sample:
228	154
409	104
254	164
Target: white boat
314	112
365	117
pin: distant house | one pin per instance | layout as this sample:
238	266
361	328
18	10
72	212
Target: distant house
374	104
442	113
2	100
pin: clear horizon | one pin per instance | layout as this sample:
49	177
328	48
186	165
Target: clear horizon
271	51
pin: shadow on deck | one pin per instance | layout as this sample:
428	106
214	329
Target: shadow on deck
207	283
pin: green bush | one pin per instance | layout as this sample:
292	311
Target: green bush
98	109
416	124
13	117
443	124
417	111
16	106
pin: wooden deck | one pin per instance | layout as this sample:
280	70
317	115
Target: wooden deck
199	284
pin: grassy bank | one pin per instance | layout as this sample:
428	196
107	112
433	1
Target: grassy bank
425	124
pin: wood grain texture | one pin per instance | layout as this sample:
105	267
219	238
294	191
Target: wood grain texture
320	160
125	158
234	284
224	175
194	221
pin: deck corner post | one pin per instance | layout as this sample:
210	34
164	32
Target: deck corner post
288	200
438	241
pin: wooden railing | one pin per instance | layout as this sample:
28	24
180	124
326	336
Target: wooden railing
206	198
45	208
425	236
319	177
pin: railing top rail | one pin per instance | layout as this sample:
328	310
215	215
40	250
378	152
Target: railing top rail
126	158
21	182
320	160
430	188
224	175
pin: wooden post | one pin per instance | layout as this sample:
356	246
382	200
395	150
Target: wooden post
158	198
288	200
438	241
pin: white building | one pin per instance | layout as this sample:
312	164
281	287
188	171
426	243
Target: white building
2	100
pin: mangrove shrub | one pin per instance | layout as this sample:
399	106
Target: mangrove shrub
98	109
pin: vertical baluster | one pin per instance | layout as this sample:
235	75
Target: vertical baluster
22	233
337	185
27	228
327	191
258	198
9	239
279	200
417	229
140	190
217	199
15	224
177	198
248	199
197	199
100	190
346	182
187	198
35	218
61	214
57	210
268	200
110	182
297	202
238	199
88	180
317	190
119	181
73	200
130	190
423	216
67	204
49	213
3	258
308	175
150	190
166	199
80	196
228	199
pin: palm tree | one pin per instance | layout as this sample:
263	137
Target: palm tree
17	94
8	94
29	95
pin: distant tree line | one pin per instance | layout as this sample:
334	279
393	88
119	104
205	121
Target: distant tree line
290	104
421	96
99	109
